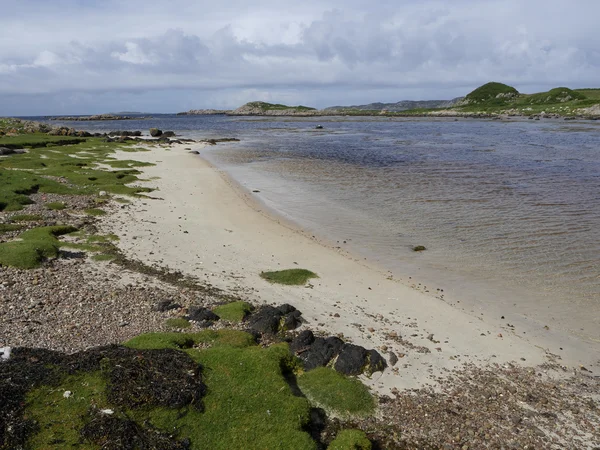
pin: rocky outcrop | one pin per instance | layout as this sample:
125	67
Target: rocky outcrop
95	117
155	132
204	112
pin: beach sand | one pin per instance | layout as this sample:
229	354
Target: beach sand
203	224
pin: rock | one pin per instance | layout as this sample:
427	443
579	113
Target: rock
319	127
6	151
376	362
155	132
291	321
392	358
165	305
352	360
202	315
168	134
286	308
321	352
302	341
265	320
195	152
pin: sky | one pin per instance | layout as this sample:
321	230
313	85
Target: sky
98	56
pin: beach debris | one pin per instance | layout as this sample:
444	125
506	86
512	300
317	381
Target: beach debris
107	411
419	248
67	394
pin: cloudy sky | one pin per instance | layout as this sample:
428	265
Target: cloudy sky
91	56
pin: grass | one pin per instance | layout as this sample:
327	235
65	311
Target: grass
277	106
350	440
60	418
178	322
233	312
490	91
26	218
292	277
338	395
8	227
35	246
56	206
95	212
248	403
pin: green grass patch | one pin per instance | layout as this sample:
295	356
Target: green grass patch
60	418
494	92
8	227
26	218
277	106
350	440
56	206
289	276
337	394
233	312
95	212
83	247
248	405
229	338
178	322
35	245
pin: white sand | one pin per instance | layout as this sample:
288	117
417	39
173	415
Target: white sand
206	226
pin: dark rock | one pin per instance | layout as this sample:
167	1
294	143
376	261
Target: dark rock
195	152
286	309
376	362
201	314
155	132
352	360
265	320
321	352
302	341
393	359
168	133
165	305
6	151
291	321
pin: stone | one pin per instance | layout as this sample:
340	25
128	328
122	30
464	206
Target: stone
155	132
352	360
302	341
376	362
168	134
265	320
201	314
392	358
165	305
321	352
291	321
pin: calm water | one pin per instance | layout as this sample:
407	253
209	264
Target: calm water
511	207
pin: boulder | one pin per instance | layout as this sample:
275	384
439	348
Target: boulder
168	133
321	352
352	360
165	305
265	320
204	316
155	132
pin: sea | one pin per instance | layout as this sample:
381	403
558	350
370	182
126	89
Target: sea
508	210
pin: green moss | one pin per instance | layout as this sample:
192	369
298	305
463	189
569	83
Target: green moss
350	440
59	416
95	212
289	276
419	248
35	245
178	322
233	312
26	218
8	227
248	405
337	394
55	205
230	338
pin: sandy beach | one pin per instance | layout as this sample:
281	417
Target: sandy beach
202	223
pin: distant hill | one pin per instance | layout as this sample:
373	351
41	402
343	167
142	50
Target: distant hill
273	109
404	105
491	92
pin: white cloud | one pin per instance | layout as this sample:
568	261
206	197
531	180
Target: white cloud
315	52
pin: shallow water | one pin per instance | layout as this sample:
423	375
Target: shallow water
512	207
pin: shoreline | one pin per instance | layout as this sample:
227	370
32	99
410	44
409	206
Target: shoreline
207	226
